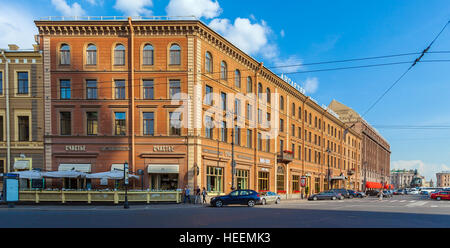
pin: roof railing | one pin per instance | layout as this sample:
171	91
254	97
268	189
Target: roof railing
114	18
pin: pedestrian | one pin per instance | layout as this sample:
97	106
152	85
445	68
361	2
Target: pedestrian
204	193
197	195
187	193
380	195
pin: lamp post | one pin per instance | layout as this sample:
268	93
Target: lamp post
125	178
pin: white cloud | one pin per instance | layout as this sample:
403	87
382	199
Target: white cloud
311	85
198	8
425	169
252	38
134	7
67	10
14	31
292	64
282	33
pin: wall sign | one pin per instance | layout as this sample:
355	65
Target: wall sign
75	148
163	148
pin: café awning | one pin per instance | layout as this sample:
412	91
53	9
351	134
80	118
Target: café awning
22	165
64	174
29	174
114	174
163	168
373	185
76	167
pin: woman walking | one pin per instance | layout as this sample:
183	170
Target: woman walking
204	193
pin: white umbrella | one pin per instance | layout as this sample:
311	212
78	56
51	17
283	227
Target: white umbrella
64	174
114	174
30	174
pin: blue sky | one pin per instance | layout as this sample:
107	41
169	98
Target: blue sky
299	32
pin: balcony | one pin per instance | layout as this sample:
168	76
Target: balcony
285	157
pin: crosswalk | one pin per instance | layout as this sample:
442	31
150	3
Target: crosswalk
411	203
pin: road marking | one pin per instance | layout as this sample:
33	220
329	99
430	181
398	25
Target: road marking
433	206
402	200
394	200
412	201
416	204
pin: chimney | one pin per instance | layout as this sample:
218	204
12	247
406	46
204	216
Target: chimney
13	47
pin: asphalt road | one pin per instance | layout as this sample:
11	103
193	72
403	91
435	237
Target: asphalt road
397	212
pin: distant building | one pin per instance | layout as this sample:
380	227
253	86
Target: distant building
402	178
443	179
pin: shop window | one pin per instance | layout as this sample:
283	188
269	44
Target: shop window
175	55
64	53
263	181
119	55
280	179
22	83
174	89
149	122
295	183
119	89
92	123
65	119
120	123
242	179
214	179
148	89
317	185
147	54
64	89
24	128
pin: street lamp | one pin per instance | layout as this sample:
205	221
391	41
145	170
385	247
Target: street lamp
329	181
125	178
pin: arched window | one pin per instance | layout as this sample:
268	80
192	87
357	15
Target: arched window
260	91
249	85
281	103
208	63
91	54
175	55
223	70
237	78
64	53
147	55
268	95
119	55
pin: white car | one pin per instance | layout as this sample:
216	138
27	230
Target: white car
413	192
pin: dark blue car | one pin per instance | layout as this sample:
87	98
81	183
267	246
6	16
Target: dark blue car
241	196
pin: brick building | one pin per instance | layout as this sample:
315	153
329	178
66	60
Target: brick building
375	150
443	179
21	95
114	98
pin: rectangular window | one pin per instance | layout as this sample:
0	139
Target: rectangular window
91	57
281	125
22	83
92	123
149	123
299	132
249	138
64	89
249	111
237	135
299	152
242	179
209	127
148	57
237	108
65	123
267	143
175	123
1	83
263	181
223	132
65	57
1	132
259	116
293	130
281	145
91	89
208	95
148	89
259	142
214	179
175	89
223	101
120	123
119	89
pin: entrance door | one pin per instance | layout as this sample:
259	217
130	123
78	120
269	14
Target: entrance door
163	181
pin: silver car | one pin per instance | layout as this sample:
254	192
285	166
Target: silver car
270	197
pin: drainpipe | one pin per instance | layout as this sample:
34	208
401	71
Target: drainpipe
8	135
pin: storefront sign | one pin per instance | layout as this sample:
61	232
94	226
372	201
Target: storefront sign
303	181
75	148
293	84
163	148
264	161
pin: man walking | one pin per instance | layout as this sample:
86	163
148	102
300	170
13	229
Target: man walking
204	193
187	193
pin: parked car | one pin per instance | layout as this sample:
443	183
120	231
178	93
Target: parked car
413	192
241	196
270	197
343	192
326	195
399	192
372	192
356	193
441	195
